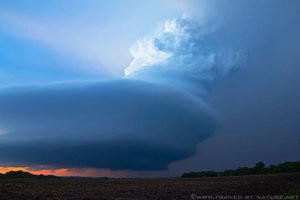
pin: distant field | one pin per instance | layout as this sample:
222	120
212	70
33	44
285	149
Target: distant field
142	189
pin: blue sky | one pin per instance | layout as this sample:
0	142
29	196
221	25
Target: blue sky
67	40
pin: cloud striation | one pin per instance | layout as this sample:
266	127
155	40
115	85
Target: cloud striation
145	121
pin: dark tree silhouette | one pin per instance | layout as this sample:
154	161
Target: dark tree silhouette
259	168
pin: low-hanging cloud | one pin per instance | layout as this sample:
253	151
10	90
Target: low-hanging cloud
121	124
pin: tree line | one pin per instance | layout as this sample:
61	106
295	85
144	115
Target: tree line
22	174
259	168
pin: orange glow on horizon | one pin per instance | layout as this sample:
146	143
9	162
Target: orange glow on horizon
56	172
3	170
84	172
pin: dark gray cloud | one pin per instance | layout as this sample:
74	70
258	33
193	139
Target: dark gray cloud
259	104
121	124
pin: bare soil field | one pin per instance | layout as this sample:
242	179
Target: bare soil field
238	187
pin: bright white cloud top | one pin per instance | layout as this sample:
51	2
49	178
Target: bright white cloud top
187	47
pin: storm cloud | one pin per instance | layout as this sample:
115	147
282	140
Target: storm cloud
120	124
156	114
184	52
159	110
